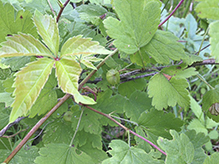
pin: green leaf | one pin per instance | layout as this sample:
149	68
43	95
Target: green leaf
168	92
97	155
6	98
108	103
48	30
47	97
198	140
12	22
86	138
24	156
156	123
164	46
68	72
78	46
127	88
214	39
122	153
16	63
58	153
89	121
210	97
4	73
136	104
131	34
197	110
23	45
213	159
180	150
208	9
28	83
4	116
91	13
196	125
59	131
141	57
180	71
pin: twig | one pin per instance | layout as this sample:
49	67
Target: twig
202	49
76	130
155	146
61	10
51	8
42	120
94	71
138	77
137	135
179	4
2	132
34	129
15	133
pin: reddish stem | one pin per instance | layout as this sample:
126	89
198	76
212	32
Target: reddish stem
137	135
179	4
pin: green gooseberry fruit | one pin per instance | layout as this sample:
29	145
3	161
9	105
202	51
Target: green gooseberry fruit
112	76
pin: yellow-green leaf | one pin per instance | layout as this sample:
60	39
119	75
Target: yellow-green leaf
28	84
78	45
48	30
68	72
23	45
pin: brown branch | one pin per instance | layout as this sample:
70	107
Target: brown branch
42	120
2	132
61	10
15	133
33	130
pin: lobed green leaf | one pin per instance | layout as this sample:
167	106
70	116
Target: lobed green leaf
208	9
168	92
155	123
12	21
58	153
137	24
164	46
28	84
122	153
23	45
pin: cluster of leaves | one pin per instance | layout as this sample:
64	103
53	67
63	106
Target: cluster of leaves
44	57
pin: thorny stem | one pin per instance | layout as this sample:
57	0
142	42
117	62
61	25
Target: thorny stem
42	120
137	135
179	4
76	130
